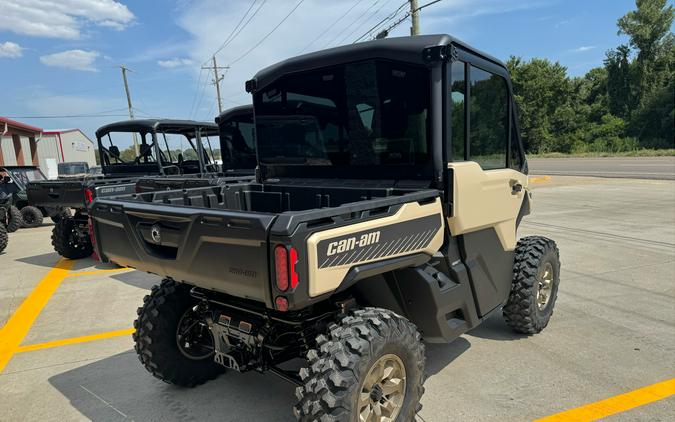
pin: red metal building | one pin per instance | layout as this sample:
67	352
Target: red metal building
25	153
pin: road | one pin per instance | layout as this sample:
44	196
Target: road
624	167
611	333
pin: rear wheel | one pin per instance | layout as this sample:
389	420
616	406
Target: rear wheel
172	341
32	216
70	241
369	367
14	220
536	276
60	214
4	239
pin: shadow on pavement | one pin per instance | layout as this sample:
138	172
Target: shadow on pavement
441	355
494	328
119	388
43	260
137	279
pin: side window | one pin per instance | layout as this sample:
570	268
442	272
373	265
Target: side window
457	97
516	157
488	110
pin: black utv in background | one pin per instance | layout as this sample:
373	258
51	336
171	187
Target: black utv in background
175	150
390	187
15	180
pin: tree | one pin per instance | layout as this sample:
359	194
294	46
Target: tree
647	27
543	93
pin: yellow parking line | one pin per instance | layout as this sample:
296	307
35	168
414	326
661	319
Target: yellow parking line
75	340
83	273
540	179
16	328
616	404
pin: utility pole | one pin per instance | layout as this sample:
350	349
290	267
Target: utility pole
216	81
415	15
131	108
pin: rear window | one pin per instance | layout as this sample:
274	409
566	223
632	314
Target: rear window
364	114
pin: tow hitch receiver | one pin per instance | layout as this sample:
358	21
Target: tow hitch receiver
234	341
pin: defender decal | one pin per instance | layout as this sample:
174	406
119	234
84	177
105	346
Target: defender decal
370	245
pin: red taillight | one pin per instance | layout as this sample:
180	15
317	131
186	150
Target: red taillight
88	195
281	267
281	303
294	274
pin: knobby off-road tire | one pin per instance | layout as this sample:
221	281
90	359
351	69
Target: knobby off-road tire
156	342
14	220
4	238
335	377
68	243
64	213
31	216
536	276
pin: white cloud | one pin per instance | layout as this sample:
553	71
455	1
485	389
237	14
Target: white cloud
10	50
583	48
176	62
61	18
72	59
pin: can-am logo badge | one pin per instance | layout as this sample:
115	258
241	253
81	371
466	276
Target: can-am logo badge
156	233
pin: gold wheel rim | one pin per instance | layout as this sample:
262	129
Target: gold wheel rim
545	287
382	392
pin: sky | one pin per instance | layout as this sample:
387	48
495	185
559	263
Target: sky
63	57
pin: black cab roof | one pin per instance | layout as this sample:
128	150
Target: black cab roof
406	49
182	127
245	110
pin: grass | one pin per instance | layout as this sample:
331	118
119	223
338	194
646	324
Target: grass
635	153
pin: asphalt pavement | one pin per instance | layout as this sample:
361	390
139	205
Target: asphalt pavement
623	167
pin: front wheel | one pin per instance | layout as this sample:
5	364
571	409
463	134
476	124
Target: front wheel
31	216
536	276
369	367
172	341
70	240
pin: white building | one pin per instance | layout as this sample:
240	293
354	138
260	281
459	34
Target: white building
65	146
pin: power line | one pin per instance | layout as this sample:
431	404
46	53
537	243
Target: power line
384	33
229	37
351	24
389	17
332	25
267	35
201	98
196	92
362	23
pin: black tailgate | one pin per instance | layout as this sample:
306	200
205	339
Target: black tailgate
210	248
64	193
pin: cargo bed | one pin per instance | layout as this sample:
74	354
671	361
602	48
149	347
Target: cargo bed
219	237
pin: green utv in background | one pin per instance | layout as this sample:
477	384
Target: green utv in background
391	182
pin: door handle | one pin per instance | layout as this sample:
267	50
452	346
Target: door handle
516	188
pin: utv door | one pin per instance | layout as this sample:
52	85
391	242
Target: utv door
486	174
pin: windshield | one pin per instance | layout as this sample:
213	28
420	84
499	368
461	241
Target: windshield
364	114
71	169
174	153
21	177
